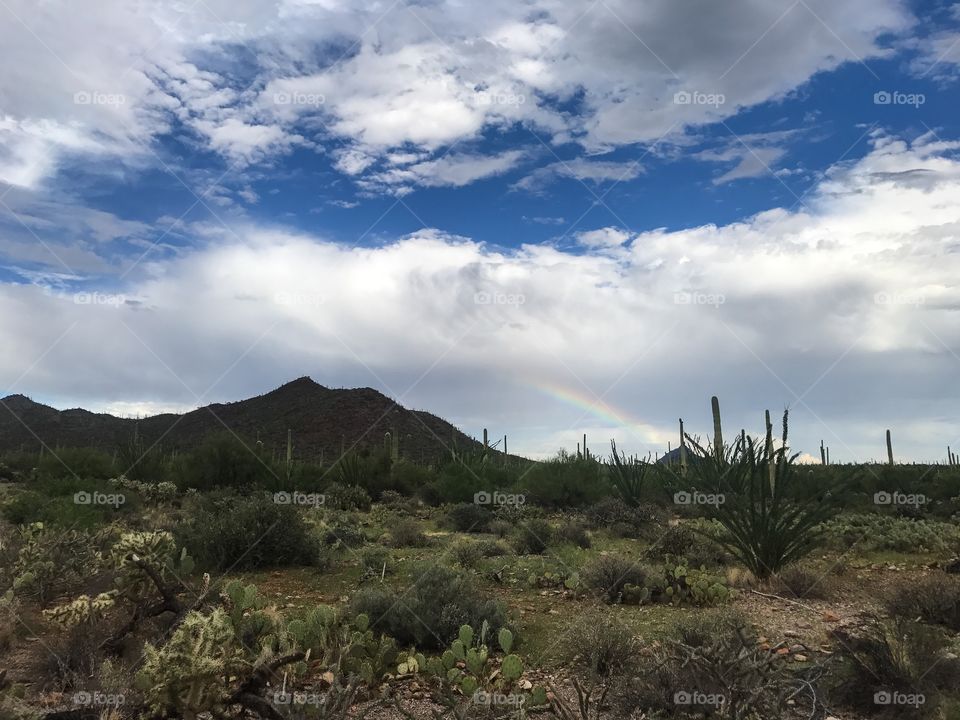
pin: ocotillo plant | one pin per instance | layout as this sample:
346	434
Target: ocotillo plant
889	449
717	430
763	524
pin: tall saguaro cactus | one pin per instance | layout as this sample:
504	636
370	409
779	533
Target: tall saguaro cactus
683	450
823	454
717	430
586	453
889	449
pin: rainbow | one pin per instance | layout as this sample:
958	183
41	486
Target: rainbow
601	409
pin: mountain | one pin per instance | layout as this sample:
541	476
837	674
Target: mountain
323	421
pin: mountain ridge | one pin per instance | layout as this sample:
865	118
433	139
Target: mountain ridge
324	421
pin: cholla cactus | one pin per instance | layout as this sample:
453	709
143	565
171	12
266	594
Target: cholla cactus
83	609
135	550
189	675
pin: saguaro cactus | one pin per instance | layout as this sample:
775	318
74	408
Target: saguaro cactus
486	443
586	453
289	447
683	451
823	454
889	449
717	430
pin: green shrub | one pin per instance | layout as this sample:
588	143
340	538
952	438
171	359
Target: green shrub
469	552
600	647
532	537
85	463
804	581
346	497
430	612
607	575
406	532
223	461
468	518
344	533
687	540
934	599
245	533
375	560
711	665
574	533
876	532
565	482
889	657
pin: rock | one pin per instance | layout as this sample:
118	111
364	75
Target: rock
783	651
797	648
791	634
831	617
799	658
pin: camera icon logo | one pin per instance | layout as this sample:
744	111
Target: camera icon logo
282	498
482	498
82	498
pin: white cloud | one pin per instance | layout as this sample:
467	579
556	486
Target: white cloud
431	75
855	290
454	170
608	237
582	169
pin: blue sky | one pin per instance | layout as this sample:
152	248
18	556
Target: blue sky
653	201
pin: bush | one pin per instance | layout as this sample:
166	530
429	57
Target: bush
565	482
375	561
468	518
469	552
934	599
875	532
429	614
893	657
344	533
223	461
245	533
717	654
346	497
602	647
85	463
532	537
803	581
684	541
575	534
608	574
406	532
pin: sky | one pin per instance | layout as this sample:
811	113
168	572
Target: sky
542	217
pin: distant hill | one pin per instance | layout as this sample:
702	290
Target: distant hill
322	420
